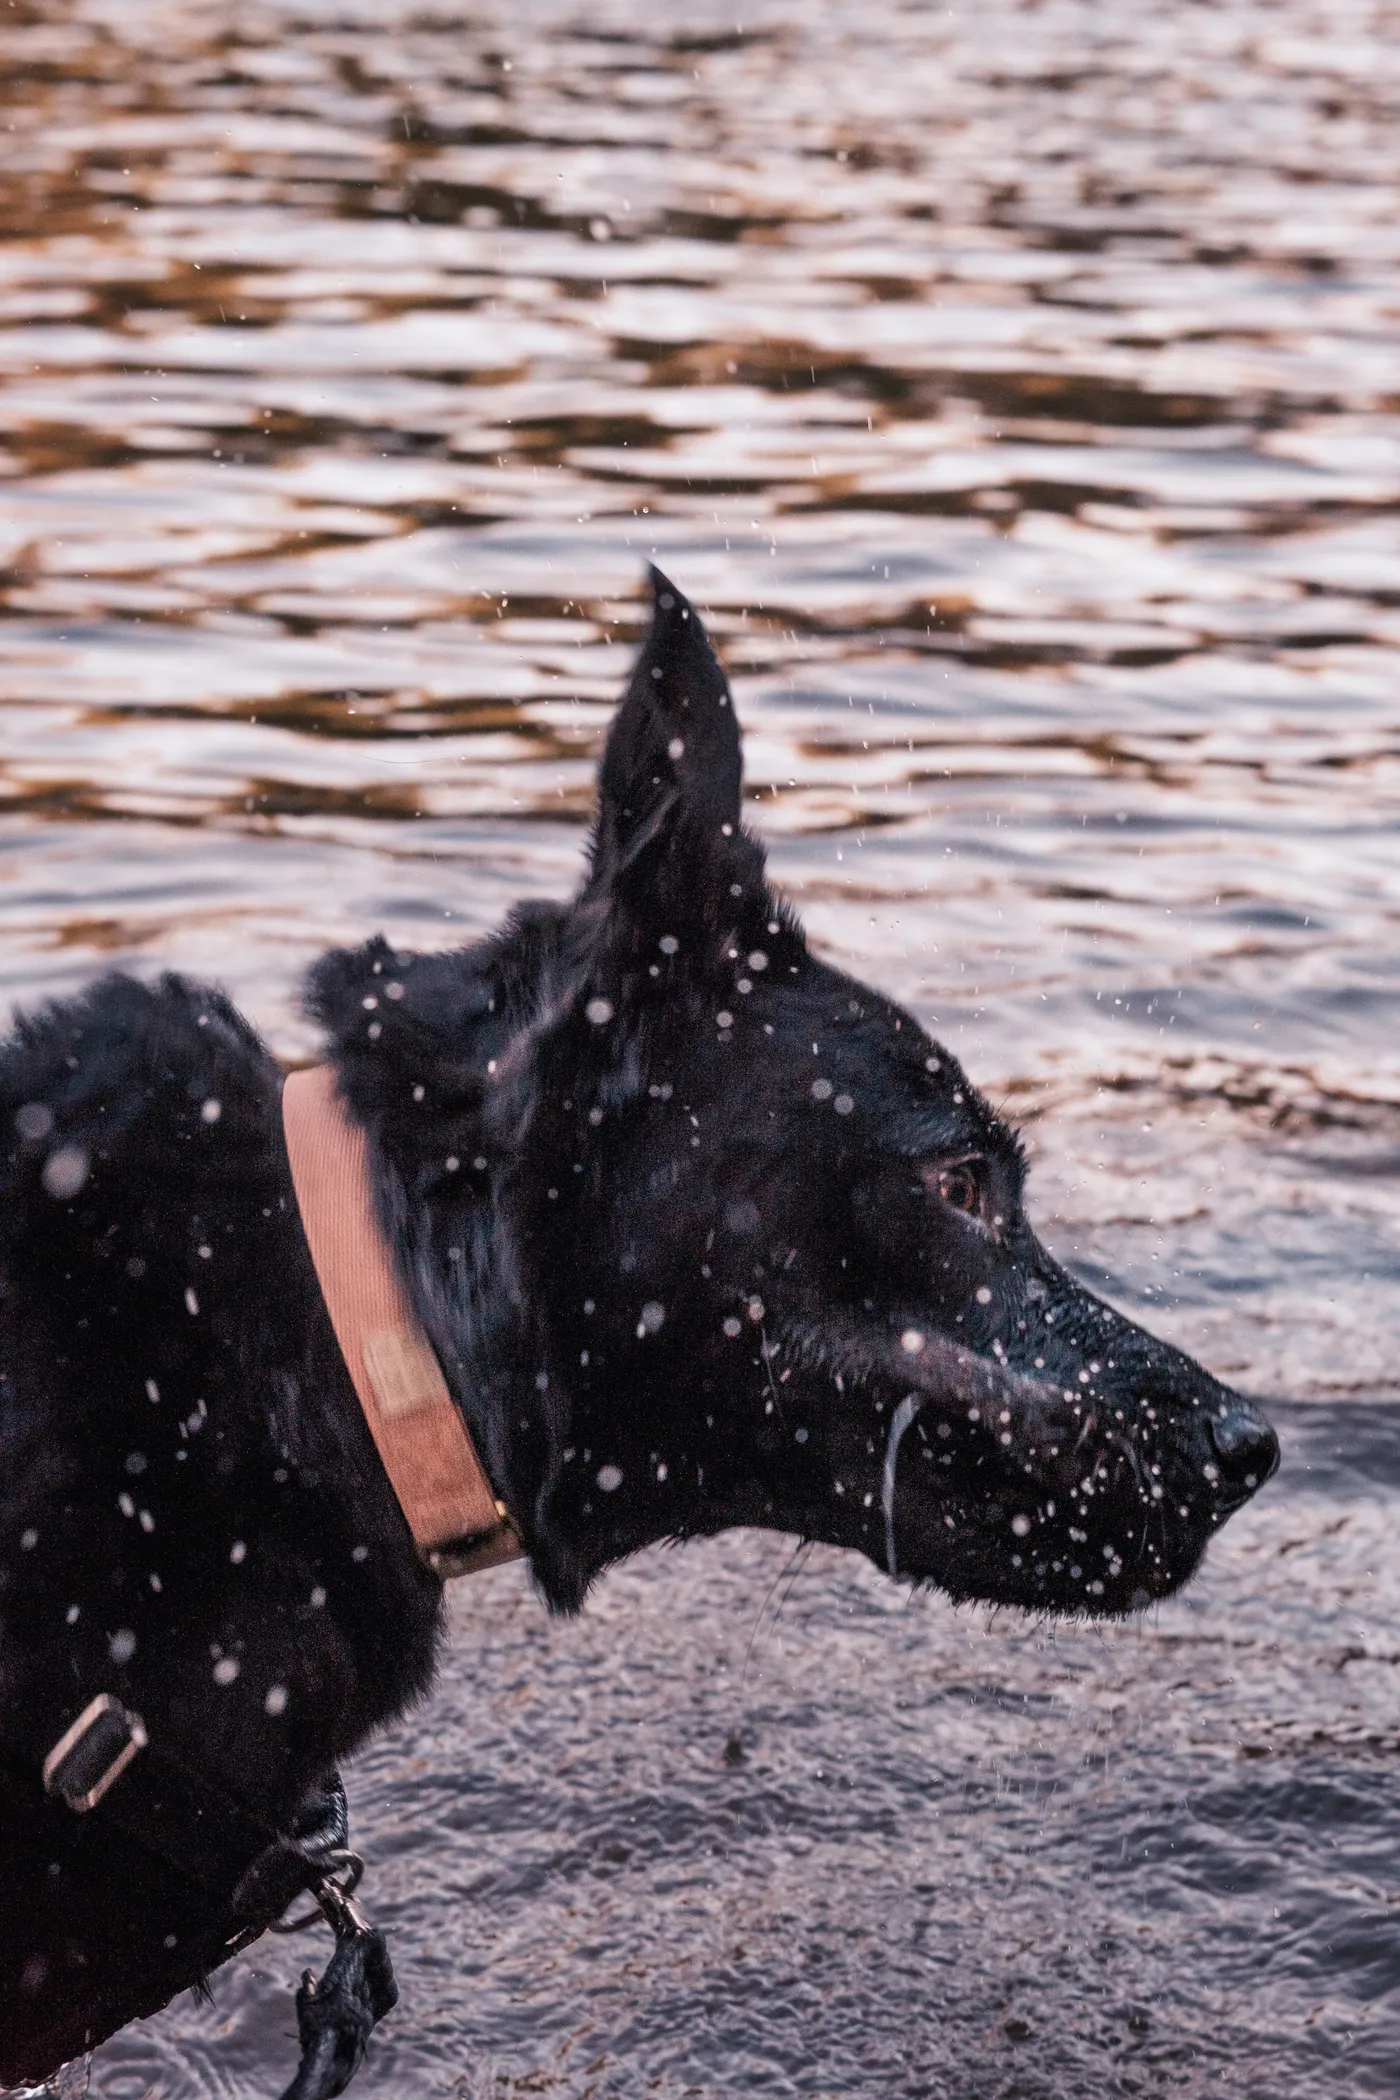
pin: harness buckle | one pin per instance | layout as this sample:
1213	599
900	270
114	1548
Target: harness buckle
91	1756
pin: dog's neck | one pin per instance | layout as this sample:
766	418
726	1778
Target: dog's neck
443	1090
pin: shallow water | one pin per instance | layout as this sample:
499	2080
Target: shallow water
1014	387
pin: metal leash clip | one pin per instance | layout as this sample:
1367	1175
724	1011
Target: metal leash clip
333	1898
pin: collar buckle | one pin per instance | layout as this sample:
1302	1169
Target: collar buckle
477	1550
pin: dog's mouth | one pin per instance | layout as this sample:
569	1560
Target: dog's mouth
1019	1489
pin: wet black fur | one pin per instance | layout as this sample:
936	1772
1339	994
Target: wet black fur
686	1212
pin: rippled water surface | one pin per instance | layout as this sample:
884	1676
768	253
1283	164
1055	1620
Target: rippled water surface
1014	385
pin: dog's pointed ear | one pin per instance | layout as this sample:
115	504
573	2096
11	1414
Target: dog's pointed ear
669	790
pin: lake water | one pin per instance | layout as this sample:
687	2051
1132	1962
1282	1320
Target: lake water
1014	386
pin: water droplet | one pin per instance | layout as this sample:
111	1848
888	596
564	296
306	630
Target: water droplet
65	1171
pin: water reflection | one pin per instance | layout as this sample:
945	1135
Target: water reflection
1014	385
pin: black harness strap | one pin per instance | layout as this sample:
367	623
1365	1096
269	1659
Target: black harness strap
105	1764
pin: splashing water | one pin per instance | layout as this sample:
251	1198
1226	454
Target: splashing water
1008	385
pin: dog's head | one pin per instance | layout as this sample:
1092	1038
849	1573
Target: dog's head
710	1233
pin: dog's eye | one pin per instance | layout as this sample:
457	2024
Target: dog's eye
958	1185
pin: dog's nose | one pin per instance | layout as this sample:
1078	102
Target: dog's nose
1245	1446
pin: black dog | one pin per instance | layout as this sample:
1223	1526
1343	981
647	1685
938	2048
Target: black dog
702	1231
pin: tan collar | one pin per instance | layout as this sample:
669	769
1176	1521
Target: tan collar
451	1508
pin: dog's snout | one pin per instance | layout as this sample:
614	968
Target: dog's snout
1246	1448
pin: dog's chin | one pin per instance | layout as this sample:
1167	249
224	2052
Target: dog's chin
978	1558
1072	1591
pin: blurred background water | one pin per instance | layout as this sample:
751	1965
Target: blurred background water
1014	387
